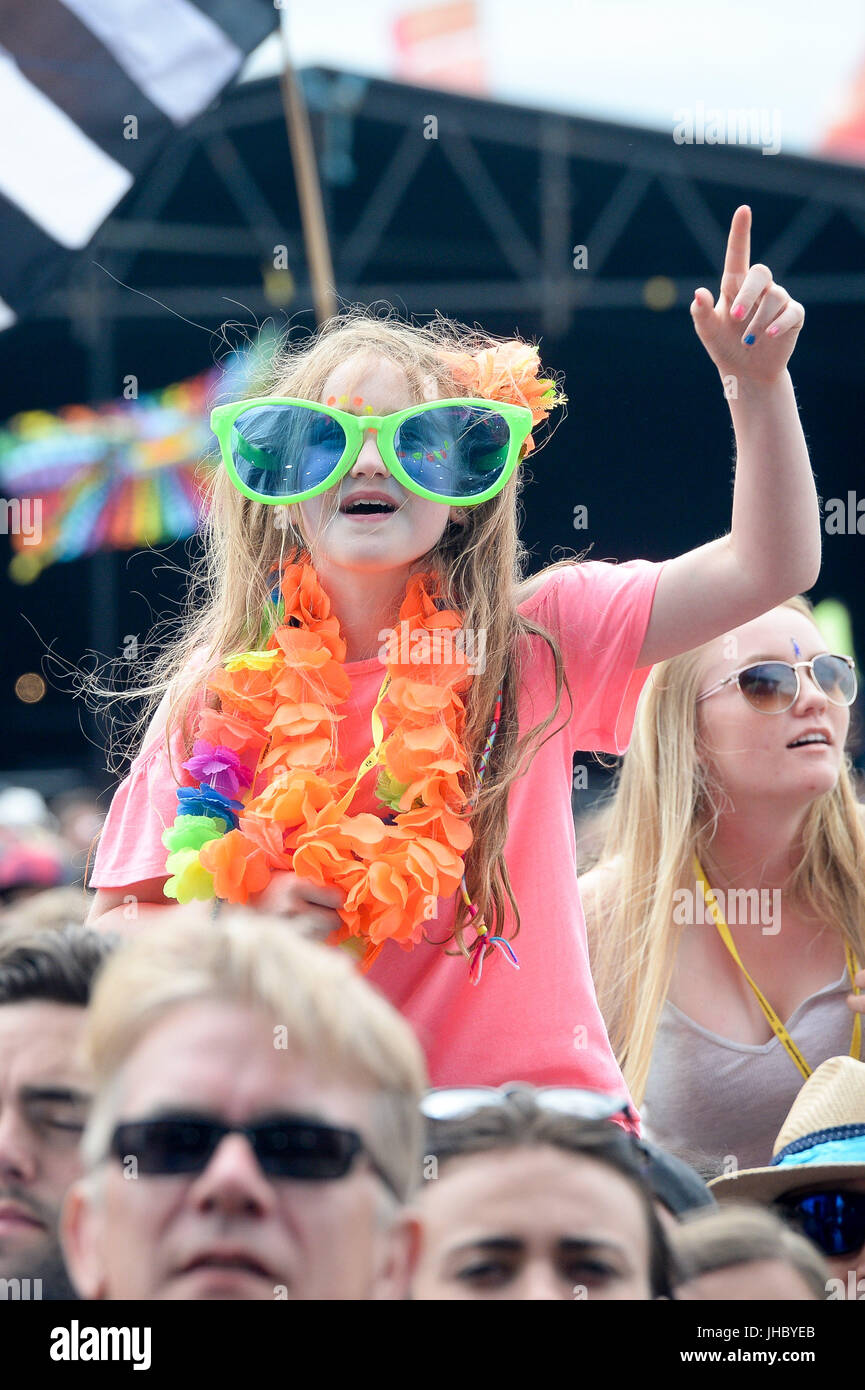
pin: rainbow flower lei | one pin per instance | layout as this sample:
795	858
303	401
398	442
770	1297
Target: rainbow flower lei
272	792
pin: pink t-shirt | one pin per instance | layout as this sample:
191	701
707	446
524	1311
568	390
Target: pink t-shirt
541	1023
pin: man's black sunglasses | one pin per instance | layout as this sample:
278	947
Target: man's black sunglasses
286	1146
833	1220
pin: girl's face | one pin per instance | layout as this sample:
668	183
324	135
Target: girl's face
756	755
371	541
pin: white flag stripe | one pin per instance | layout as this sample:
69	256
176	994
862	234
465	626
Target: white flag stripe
177	56
50	168
7	315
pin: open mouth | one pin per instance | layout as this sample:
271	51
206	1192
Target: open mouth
807	739
368	507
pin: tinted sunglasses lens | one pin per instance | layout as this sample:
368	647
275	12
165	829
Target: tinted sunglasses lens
312	1153
833	1220
836	679
283	450
769	686
167	1146
455	451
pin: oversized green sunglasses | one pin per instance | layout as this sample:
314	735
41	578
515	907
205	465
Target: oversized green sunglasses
460	452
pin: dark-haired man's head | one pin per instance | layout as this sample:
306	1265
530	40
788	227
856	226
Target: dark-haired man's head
45	983
519	1203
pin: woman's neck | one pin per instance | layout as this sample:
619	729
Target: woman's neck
752	850
367	604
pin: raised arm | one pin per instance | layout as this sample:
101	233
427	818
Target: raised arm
773	548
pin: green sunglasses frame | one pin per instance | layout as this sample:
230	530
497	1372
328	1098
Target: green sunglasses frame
518	417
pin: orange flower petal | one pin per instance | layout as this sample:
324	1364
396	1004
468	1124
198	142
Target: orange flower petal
441	825
283	719
230	732
238	866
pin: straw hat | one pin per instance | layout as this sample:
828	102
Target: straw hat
822	1139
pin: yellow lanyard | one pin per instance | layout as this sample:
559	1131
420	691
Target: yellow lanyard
374	756
771	1017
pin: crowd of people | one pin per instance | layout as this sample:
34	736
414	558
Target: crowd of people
231	1101
334	1015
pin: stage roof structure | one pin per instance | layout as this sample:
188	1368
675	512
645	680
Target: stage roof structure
475	209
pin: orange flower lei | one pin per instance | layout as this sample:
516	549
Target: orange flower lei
276	723
508	372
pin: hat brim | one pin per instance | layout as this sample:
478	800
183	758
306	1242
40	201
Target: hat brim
767	1184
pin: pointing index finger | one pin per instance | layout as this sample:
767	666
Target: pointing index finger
738	258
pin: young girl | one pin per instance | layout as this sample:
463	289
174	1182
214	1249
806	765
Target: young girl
390	711
726	913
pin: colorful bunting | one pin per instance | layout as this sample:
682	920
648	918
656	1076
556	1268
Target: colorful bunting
119	475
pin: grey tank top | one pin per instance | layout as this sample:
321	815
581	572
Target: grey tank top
720	1104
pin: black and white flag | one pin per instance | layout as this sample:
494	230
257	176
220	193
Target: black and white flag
89	92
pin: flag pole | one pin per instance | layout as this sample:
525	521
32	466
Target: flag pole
308	185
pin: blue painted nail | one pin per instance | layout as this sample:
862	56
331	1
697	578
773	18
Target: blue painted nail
749	339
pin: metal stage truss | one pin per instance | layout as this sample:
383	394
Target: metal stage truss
523	185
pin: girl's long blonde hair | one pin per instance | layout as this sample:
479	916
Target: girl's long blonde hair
664	809
479	566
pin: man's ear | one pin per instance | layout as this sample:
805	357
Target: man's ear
401	1246
81	1227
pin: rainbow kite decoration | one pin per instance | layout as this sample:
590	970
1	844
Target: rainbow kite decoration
115	476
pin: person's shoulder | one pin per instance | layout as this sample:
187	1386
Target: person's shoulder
529	588
578	576
536	586
605	871
599	883
182	697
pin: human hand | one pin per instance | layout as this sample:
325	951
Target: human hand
751	333
288	895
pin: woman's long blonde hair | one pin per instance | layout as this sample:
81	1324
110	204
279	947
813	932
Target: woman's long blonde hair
479	566
664	809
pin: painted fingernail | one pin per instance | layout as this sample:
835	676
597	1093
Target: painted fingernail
773	330
739	311
749	339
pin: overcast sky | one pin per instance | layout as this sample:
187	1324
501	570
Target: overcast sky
636	61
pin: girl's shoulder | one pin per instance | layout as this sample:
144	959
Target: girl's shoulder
529	588
599	888
180	703
535	586
602	877
588	581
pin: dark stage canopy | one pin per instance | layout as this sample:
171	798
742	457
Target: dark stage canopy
475	209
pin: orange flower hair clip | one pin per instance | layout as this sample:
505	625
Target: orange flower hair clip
508	372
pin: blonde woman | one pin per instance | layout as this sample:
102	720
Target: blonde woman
726	911
388	710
